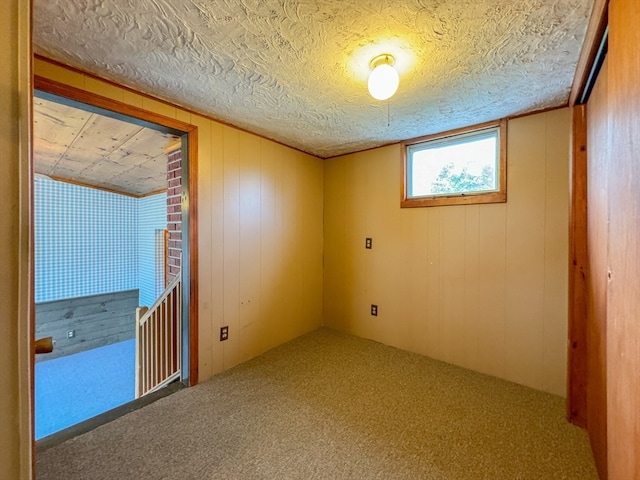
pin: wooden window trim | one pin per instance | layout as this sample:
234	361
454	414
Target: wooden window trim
462	199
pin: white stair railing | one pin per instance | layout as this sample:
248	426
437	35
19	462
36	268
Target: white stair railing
159	340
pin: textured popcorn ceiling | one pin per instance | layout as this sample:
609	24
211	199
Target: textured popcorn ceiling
296	71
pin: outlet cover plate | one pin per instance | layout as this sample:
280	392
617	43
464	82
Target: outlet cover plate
224	333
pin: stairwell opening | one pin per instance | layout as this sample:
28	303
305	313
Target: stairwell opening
175	202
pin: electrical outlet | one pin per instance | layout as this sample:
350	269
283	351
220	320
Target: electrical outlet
71	333
368	243
374	310
224	333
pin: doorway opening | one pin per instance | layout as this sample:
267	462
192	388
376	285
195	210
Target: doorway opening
113	210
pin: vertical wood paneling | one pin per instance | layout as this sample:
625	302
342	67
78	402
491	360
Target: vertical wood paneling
471	284
623	309
556	250
305	234
433	281
270	245
290	209
312	235
597	255
300	200
215	244
525	250
205	227
371	267
356	298
452	269
415	305
283	239
471	299
250	233
334	288
386	284
492	245
231	242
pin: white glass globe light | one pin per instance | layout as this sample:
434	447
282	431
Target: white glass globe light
383	81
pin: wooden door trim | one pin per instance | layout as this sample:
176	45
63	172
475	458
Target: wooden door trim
578	296
595	32
146	117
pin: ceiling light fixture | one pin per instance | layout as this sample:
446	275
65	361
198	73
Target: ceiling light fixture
384	79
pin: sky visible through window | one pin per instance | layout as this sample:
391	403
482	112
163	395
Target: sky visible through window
453	168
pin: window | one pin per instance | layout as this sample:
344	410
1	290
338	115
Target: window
463	166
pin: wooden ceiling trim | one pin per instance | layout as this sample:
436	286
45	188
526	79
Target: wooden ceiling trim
101	188
134	114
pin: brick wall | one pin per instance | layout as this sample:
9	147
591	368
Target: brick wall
174	214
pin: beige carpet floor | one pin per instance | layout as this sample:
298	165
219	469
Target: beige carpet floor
333	406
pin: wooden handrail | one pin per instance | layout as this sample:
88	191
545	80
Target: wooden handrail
43	345
158	341
159	301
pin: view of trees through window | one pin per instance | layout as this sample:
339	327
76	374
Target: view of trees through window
448	181
456	165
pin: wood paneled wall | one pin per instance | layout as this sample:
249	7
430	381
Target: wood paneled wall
264	205
259	232
97	320
481	286
613	245
597	257
623	293
15	232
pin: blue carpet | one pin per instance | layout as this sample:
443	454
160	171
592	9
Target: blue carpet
77	387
